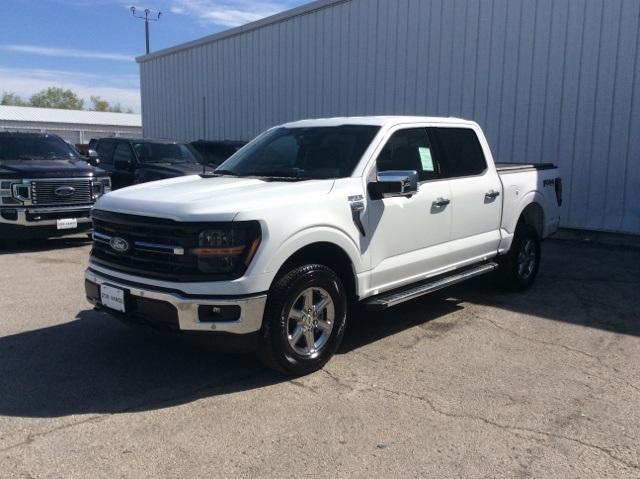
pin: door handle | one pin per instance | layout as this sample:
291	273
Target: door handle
440	202
492	194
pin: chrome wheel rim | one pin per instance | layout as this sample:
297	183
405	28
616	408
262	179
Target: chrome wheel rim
527	258
310	322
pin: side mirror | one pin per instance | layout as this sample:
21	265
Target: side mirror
394	183
93	157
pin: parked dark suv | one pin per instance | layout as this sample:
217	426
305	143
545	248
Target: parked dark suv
46	187
131	161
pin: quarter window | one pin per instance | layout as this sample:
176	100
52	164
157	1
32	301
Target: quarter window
409	150
459	152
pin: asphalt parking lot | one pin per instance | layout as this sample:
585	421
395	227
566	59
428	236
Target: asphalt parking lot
472	383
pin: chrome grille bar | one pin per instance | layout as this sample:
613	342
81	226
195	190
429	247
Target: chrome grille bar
143	245
43	191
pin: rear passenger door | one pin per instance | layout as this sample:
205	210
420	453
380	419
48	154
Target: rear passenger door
476	203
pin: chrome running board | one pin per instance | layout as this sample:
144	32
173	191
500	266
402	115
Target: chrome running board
397	296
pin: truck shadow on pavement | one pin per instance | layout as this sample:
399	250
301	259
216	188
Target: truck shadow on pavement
97	365
29	245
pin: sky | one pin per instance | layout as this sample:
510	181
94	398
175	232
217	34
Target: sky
90	46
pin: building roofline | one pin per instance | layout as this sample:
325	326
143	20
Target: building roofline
30	114
264	22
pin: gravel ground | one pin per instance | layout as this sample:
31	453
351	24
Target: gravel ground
474	382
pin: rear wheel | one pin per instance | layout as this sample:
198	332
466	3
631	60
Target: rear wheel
304	320
519	267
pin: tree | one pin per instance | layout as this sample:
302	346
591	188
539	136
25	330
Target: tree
98	104
54	97
11	99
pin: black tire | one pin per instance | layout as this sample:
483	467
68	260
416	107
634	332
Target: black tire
526	244
275	349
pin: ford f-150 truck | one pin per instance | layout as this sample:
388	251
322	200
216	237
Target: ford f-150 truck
46	187
271	250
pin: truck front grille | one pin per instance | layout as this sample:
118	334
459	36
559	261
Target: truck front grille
159	248
61	192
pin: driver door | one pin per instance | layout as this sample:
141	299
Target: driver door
409	235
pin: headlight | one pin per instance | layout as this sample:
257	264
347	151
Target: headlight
7	194
228	250
5	189
100	186
106	185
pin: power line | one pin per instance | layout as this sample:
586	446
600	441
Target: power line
147	17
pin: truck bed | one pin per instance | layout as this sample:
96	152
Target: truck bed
513	167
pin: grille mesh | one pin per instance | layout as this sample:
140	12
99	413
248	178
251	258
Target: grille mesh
43	192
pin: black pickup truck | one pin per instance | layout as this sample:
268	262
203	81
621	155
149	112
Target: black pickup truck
46	187
130	161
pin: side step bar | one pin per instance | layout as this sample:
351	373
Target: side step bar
392	298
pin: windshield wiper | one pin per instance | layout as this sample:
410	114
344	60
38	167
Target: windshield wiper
280	175
223	172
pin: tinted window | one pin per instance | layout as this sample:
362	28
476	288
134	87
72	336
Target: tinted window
409	150
105	151
122	153
34	147
459	152
317	152
149	152
213	153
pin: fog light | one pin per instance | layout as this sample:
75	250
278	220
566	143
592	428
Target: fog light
9	215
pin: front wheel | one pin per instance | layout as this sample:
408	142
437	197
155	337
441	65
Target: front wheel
304	320
519	267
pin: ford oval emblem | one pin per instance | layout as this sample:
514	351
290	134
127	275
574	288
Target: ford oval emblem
64	191
120	245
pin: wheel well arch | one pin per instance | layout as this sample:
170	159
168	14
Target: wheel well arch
533	215
329	255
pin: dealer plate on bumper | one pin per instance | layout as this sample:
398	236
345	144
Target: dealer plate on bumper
67	223
112	298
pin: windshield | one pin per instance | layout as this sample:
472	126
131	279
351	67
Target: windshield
149	152
35	148
304	153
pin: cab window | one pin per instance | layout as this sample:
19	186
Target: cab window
122	155
458	151
409	150
105	152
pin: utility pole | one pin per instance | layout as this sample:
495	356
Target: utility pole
146	19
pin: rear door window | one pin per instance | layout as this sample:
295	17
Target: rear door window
459	152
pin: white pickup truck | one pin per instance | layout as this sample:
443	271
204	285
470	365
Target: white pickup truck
271	251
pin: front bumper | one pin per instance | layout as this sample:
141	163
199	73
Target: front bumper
165	308
41	216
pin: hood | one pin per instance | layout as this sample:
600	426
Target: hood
47	169
192	198
171	170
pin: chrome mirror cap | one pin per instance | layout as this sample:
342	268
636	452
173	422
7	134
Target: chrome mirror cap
393	183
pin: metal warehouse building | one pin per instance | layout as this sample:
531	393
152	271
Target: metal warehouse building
548	80
75	126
